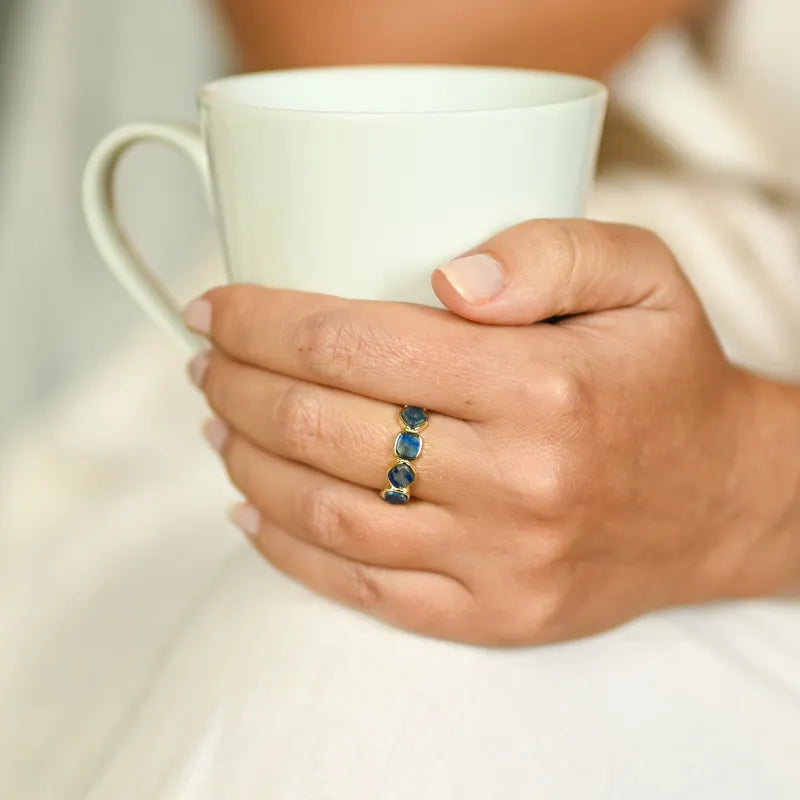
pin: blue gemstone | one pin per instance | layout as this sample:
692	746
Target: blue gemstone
414	417
402	475
408	446
395	497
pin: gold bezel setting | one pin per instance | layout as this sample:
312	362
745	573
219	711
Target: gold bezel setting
394	492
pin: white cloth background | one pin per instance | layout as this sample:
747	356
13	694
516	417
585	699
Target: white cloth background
73	69
149	653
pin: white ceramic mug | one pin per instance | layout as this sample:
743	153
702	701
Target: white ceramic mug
359	181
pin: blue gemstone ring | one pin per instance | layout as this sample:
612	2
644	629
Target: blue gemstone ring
407	448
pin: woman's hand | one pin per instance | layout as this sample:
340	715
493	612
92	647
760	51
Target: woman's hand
591	454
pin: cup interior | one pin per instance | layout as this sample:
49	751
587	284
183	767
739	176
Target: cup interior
400	89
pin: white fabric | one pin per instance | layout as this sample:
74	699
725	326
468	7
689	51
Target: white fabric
72	70
148	652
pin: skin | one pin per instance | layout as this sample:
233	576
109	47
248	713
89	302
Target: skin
575	474
581	36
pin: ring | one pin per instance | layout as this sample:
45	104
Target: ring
407	448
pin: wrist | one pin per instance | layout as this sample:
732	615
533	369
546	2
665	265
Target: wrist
767	489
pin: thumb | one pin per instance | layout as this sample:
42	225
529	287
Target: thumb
552	268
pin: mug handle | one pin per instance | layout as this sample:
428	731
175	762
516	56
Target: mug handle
111	241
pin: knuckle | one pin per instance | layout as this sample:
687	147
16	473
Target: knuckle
550	492
299	418
324	517
527	393
543	481
539	485
362	589
560	238
530	622
507	630
545	612
564	391
644	243
555	389
635	234
330	343
562	246
554	547
643	239
545	547
514	479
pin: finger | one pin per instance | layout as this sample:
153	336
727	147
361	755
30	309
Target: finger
342	434
423	602
552	268
348	520
399	353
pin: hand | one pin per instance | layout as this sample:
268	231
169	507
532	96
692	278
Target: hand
590	454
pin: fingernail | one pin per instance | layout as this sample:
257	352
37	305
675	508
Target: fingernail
197	316
198	367
478	278
245	517
216	433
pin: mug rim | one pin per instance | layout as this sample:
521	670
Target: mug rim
215	92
